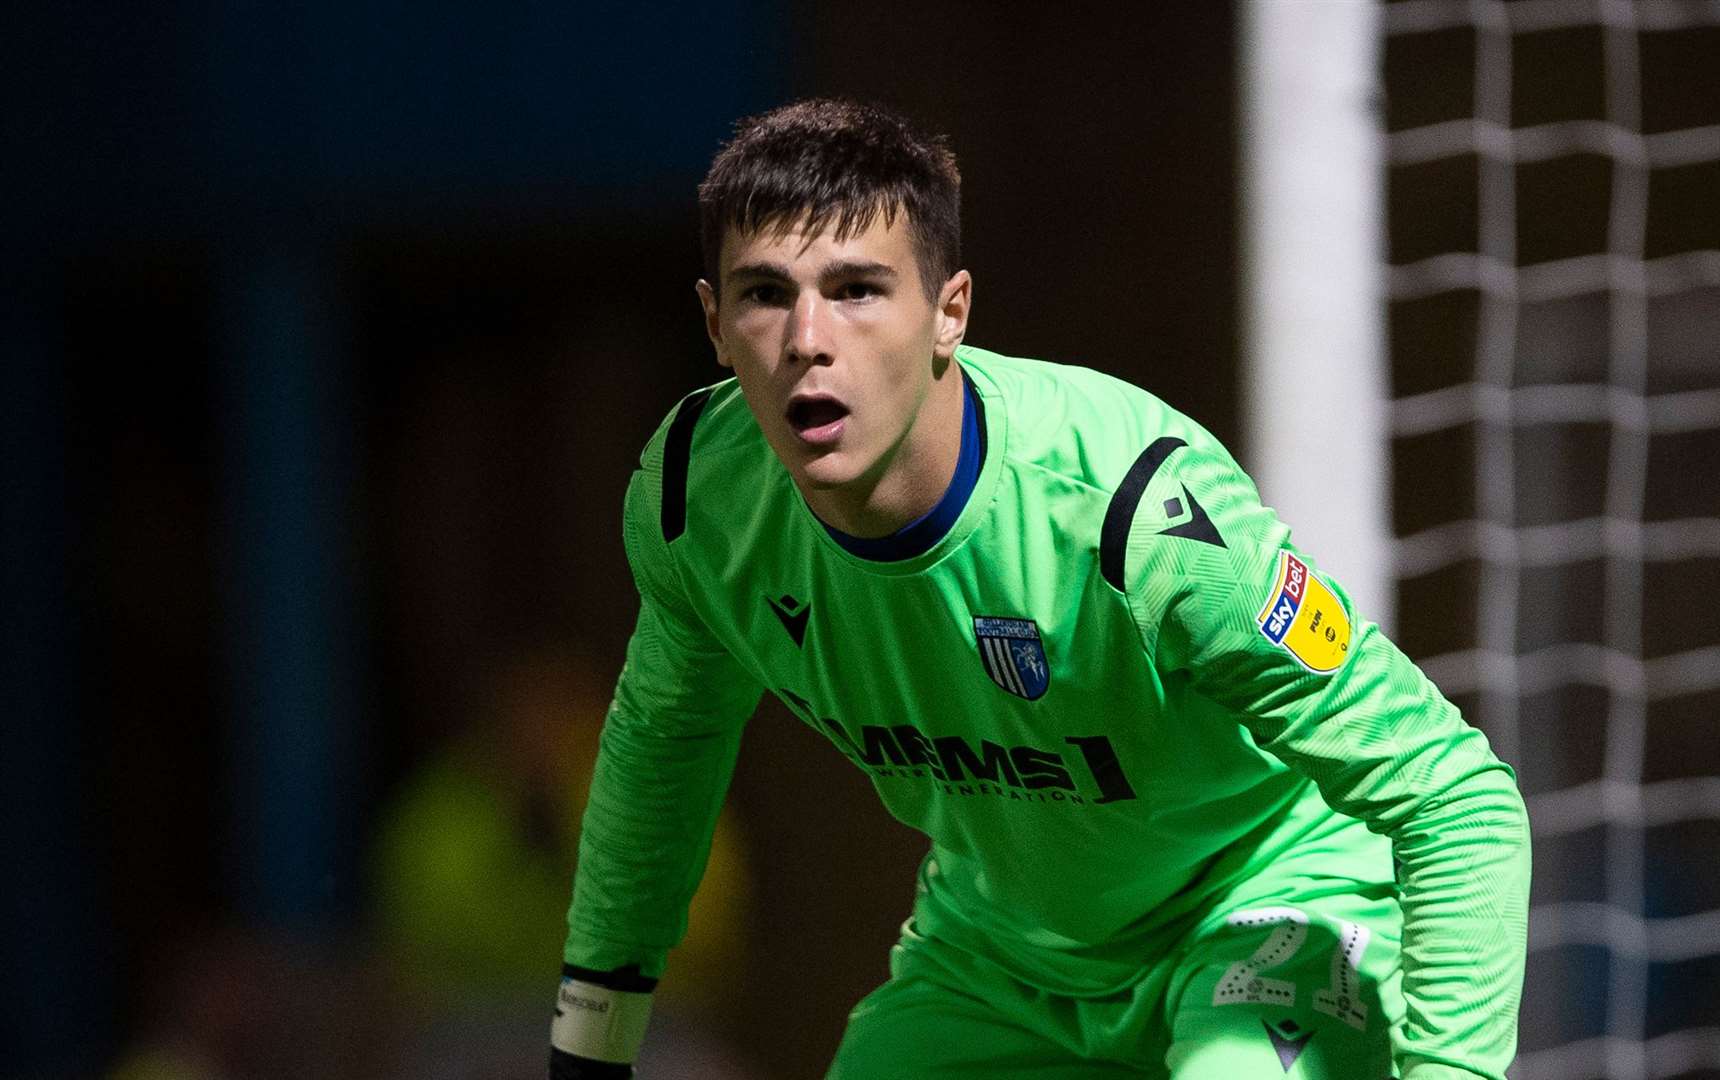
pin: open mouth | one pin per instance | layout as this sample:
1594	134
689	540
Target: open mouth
817	419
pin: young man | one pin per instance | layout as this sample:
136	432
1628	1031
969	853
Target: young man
1190	817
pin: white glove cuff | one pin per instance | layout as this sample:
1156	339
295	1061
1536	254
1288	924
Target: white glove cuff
596	1022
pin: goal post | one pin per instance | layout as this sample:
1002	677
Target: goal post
1544	300
1314	377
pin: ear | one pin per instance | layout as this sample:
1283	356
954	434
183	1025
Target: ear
955	299
713	326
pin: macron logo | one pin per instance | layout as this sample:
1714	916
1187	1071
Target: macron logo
793	615
1287	1041
1198	527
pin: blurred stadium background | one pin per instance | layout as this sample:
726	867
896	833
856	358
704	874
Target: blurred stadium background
332	330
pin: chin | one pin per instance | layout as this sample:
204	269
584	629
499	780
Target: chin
828	470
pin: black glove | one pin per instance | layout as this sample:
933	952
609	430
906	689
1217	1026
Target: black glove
564	1066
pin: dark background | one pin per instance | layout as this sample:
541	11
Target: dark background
332	332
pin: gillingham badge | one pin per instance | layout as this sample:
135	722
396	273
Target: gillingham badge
1013	655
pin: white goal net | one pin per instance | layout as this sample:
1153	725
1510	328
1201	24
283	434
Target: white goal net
1553	219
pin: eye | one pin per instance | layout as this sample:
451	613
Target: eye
858	290
765	294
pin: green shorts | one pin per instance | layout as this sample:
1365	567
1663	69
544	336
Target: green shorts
1297	985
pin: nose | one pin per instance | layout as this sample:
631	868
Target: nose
810	335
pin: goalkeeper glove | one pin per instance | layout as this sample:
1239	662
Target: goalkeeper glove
600	1019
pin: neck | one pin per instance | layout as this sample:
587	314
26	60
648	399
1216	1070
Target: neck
910	479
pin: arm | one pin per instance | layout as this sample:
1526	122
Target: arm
664	762
1373	734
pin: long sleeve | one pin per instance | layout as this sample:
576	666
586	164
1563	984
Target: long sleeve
1253	626
666	756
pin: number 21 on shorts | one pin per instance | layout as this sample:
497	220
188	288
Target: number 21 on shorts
1245	981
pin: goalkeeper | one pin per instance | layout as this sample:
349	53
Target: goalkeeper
1190	815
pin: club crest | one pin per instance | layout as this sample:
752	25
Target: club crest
1013	655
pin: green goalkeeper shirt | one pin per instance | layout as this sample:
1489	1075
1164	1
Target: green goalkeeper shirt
1110	692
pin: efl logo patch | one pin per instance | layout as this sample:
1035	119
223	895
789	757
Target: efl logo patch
1013	654
1304	617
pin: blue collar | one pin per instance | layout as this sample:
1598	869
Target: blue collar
919	536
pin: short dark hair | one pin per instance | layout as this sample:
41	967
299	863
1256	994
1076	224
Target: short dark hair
835	163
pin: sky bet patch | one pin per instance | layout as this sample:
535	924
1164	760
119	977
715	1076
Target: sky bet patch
1304	617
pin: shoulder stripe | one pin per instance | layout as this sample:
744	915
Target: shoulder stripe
1120	515
677	457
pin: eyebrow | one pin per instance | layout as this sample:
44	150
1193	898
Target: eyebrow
854	268
840	270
